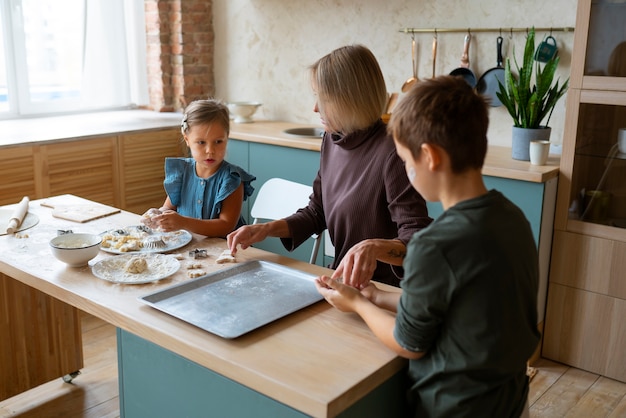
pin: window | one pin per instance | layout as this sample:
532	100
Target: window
71	56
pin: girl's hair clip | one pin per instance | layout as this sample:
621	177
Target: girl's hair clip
184	125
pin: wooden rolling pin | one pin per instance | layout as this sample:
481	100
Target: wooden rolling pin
18	216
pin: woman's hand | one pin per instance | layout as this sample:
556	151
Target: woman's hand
358	265
245	236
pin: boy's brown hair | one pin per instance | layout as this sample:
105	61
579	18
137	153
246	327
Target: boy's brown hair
444	111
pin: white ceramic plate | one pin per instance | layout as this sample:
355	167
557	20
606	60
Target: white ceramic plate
112	240
113	269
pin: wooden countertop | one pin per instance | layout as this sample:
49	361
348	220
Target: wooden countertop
317	360
498	162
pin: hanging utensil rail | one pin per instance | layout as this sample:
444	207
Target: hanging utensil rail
501	30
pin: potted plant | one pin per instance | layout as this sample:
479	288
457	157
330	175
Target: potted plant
529	104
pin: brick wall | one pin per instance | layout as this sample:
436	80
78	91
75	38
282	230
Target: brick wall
179	40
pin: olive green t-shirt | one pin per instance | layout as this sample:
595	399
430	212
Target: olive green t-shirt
470	302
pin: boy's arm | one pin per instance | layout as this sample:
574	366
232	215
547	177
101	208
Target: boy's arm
381	298
381	321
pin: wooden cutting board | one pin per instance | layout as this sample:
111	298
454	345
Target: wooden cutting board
76	209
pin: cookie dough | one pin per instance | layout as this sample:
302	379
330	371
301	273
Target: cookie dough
136	265
225	257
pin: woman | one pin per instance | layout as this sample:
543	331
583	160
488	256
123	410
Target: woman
361	193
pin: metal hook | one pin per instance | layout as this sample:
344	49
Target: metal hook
511	34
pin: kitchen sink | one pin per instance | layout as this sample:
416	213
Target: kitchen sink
305	132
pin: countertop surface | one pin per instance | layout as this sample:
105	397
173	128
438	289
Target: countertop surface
498	162
44	129
317	360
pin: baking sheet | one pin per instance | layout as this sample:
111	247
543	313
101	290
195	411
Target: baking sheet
237	300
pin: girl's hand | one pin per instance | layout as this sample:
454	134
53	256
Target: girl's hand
169	221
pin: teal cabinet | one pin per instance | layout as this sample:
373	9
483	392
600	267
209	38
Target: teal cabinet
238	154
155	382
266	161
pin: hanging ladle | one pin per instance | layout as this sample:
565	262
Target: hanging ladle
411	80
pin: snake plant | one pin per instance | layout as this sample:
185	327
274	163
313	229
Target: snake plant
529	104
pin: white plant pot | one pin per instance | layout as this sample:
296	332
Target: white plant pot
521	137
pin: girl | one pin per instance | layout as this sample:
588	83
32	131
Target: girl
205	193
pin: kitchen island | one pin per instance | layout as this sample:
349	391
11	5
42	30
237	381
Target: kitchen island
315	362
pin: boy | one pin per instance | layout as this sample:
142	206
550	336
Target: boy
467	314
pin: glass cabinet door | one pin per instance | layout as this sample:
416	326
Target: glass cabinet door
598	193
606	41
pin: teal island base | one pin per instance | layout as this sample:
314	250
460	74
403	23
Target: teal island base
155	382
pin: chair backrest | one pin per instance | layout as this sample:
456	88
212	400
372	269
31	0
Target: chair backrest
279	198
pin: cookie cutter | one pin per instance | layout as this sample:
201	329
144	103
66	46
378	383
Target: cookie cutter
197	253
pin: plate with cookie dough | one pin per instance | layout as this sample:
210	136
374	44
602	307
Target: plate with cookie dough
141	239
136	268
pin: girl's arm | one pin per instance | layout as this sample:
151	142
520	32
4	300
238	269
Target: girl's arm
219	227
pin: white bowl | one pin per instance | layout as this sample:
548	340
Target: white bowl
75	249
243	111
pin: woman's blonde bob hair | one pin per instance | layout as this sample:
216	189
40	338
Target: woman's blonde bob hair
350	87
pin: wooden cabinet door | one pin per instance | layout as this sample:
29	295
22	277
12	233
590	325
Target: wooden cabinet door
586	330
87	168
142	160
41	338
17	174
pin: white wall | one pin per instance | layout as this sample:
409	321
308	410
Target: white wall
264	47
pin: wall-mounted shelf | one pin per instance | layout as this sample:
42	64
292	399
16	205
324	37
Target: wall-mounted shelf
501	30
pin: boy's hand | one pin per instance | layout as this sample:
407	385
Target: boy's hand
339	295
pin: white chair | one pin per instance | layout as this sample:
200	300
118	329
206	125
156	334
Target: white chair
279	198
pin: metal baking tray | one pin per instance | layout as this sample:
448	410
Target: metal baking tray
237	300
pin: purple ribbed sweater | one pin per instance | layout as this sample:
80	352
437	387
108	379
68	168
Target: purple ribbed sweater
361	191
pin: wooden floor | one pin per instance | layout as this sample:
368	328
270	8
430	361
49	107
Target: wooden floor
555	391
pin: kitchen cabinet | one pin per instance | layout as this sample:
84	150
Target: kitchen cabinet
587	292
124	170
265	161
179	387
141	159
41	338
17	174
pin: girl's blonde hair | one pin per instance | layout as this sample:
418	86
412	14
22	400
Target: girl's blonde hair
350	87
200	112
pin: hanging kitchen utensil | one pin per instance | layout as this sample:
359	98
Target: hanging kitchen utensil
411	80
488	83
434	53
546	49
463	70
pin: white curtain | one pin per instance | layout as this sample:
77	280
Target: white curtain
114	68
